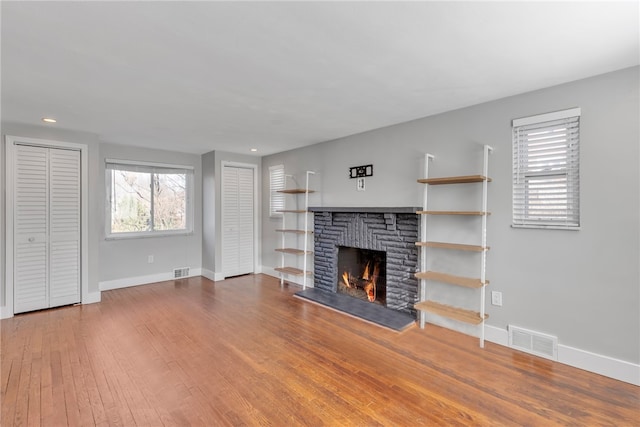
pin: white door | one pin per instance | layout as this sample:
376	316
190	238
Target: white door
237	220
46	227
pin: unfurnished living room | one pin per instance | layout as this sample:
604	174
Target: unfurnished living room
301	213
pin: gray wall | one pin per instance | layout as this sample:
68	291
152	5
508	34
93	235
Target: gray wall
128	258
582	286
209	216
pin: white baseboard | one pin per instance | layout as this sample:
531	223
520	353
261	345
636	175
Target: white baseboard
582	359
92	297
269	271
603	365
496	335
211	275
143	280
6	312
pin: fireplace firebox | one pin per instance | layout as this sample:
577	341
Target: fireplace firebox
362	274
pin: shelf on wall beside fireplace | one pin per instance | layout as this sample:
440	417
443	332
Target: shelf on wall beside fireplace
460	314
293	271
467	179
467	282
470	213
294	251
296	191
457	246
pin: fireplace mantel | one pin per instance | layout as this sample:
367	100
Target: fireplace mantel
366	209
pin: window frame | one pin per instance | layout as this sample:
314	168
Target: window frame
274	195
152	169
521	148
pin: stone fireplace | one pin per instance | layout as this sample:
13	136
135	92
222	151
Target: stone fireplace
384	236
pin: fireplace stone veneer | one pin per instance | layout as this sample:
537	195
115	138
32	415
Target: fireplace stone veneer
393	230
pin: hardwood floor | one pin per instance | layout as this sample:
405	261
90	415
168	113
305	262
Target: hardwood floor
245	352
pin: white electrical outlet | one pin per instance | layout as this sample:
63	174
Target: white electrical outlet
496	298
150	259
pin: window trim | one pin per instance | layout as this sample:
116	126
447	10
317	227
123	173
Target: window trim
572	177
189	199
273	192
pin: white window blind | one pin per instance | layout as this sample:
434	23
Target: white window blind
546	170
276	183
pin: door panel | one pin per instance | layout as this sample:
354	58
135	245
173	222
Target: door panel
230	249
238	218
245	220
64	220
31	229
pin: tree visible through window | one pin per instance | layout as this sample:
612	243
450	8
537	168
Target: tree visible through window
148	199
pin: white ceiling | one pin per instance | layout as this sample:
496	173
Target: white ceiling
202	76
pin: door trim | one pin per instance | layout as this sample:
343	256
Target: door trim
11	142
256	205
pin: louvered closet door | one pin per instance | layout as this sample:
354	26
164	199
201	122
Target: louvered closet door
31	210
245	220
46	228
237	217
64	227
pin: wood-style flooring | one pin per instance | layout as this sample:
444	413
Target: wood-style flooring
245	352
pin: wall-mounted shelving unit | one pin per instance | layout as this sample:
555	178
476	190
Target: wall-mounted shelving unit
291	248
441	308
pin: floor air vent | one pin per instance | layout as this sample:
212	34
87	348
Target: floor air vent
179	273
533	342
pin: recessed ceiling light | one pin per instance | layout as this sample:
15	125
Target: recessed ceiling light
48	120
254	150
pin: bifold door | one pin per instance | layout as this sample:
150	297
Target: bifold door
237	218
46	227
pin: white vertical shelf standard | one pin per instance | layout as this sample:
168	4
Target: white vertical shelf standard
306	231
423	237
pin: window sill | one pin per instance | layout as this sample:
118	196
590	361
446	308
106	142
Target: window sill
128	236
547	227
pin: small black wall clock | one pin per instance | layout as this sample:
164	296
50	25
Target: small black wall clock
361	171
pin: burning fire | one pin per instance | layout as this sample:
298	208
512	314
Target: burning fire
367	282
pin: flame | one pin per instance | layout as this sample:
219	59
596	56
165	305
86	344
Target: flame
345	278
370	286
367	282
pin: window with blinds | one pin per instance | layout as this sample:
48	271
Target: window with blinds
276	183
148	198
546	170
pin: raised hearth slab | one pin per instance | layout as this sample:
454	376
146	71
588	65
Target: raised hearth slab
361	309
